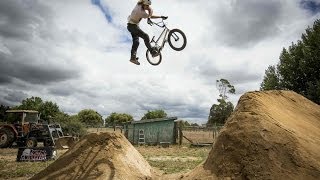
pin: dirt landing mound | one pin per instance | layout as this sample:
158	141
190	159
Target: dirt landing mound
271	135
99	156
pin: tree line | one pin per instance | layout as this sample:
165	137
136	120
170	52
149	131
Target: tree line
77	124
299	67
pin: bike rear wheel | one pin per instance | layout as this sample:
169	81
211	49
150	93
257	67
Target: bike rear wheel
154	60
177	39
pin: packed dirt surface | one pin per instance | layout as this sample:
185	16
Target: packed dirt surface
99	156
271	135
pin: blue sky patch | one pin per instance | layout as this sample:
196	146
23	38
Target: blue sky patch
311	5
104	9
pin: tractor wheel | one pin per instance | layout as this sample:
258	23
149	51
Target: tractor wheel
6	138
31	142
48	142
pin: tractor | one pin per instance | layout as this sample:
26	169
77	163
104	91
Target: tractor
26	129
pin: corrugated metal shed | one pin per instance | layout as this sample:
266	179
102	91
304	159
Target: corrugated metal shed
152	131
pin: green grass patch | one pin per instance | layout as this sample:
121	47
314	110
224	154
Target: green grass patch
174	159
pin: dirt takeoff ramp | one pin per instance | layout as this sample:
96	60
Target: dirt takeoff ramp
99	156
271	135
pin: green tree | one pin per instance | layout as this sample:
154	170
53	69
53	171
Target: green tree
46	109
90	118
154	114
225	87
195	124
220	112
118	119
185	123
70	125
299	66
33	103
271	79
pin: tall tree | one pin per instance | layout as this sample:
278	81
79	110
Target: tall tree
299	66
220	112
46	109
271	79
154	114
33	103
118	119
90	118
225	87
71	125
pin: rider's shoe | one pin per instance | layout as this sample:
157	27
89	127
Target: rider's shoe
154	52
135	61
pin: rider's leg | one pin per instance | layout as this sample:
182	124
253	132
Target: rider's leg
135	45
134	48
137	31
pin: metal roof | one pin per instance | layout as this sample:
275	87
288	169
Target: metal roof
20	111
154	120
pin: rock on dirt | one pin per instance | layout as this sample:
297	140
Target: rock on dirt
99	156
271	135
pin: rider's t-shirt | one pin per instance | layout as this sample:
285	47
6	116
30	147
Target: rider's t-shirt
137	14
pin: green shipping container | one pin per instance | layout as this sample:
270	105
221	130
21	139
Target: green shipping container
152	131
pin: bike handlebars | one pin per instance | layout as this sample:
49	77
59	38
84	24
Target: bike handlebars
160	24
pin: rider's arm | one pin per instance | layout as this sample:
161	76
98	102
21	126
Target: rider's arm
150	12
155	17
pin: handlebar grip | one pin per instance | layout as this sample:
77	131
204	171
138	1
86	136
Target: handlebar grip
149	22
164	17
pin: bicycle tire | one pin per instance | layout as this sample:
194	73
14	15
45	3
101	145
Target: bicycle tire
184	38
149	56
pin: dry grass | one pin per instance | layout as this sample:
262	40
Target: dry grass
175	159
169	160
198	136
11	169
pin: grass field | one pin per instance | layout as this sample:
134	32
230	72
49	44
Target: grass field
174	159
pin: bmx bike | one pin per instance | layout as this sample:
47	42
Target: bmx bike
175	37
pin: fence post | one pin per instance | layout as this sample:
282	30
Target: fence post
180	133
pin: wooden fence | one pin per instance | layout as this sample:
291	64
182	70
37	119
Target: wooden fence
198	135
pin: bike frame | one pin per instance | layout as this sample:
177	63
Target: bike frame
163	35
167	35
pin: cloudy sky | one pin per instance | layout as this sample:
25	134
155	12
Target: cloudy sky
76	52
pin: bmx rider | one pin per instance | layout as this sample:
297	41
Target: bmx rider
134	19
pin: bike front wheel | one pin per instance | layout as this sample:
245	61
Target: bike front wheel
154	60
177	39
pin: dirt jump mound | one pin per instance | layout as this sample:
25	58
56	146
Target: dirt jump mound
271	135
99	156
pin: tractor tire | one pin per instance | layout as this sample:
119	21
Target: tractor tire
48	143
31	142
6	137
